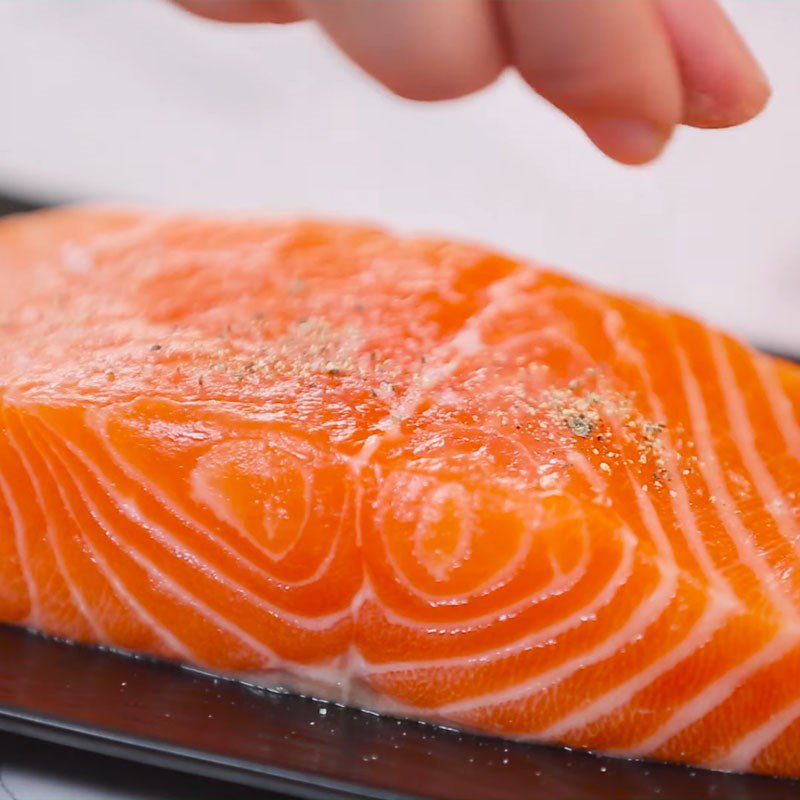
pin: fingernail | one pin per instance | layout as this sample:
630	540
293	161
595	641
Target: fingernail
631	141
704	110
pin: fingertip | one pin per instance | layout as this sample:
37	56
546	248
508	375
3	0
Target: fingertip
726	109
278	12
607	65
417	49
629	141
724	85
430	88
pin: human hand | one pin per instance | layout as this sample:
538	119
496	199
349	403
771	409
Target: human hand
627	71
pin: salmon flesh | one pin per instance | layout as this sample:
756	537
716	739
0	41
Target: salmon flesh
411	475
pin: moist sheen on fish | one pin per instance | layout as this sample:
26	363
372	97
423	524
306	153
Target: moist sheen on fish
410	473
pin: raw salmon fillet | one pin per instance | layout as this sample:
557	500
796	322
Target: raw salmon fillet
410	475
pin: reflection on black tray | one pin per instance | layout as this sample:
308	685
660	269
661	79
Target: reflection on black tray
164	715
63	772
16	205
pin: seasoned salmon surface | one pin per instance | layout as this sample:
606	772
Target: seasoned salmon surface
409	474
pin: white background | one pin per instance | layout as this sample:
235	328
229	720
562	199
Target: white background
131	100
134	100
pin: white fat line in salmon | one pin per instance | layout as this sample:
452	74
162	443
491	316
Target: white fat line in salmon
123	593
442	363
711	470
603	598
712	620
96	423
82	257
445	359
708	623
34	618
780	404
699	634
463	343
714	694
584	467
467	341
642	617
337	679
686	517
201	495
162	580
692	710
75	593
615	325
744	435
741	756
568	581
598	481
718	691
648	514
495	582
173	587
130	509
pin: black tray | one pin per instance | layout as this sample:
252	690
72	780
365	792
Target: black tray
163	715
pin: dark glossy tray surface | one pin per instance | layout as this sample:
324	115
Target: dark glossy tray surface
163	715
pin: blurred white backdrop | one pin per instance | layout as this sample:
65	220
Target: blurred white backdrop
133	100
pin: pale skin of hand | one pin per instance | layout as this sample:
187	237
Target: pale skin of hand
627	71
